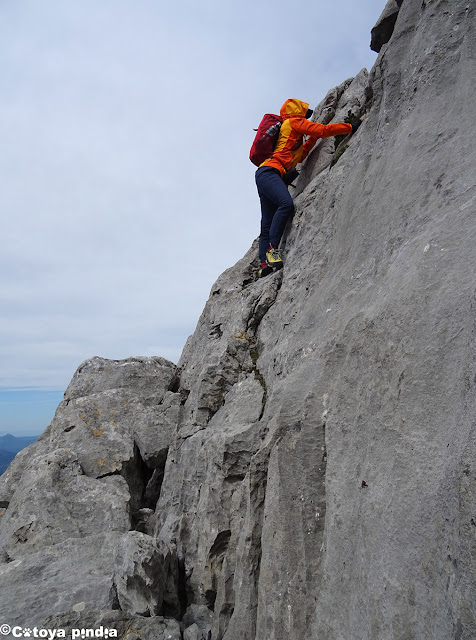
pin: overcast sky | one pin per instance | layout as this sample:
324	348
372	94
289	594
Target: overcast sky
126	188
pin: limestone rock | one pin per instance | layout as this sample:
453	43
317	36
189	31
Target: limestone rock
307	471
197	623
67	576
140	574
145	576
70	500
382	32
338	505
127	627
124	426
55	501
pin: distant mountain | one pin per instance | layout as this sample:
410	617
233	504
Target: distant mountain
14	444
10	446
5	458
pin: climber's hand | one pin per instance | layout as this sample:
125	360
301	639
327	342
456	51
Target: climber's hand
354	121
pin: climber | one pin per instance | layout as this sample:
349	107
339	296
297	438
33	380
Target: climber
275	174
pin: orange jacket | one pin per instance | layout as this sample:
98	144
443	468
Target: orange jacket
291	149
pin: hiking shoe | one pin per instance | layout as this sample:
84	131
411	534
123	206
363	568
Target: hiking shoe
273	258
265	270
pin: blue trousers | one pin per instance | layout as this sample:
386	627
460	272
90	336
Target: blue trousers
276	208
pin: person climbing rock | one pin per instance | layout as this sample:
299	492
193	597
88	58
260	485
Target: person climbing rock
276	173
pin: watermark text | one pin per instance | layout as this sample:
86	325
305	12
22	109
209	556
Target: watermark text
52	634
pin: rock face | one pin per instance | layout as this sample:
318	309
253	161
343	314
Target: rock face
307	471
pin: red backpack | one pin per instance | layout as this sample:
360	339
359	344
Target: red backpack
265	140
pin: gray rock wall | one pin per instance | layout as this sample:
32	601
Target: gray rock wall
308	469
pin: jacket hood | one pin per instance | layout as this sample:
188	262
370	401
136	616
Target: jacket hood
294	108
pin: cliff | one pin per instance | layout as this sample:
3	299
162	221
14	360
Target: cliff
308	470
